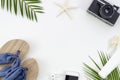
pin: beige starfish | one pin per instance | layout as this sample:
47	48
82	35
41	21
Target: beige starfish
65	8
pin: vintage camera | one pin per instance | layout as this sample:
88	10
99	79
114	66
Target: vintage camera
105	11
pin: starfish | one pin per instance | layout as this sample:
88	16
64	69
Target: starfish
65	8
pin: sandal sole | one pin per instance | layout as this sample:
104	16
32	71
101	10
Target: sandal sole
33	68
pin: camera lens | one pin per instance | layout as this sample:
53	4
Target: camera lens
107	11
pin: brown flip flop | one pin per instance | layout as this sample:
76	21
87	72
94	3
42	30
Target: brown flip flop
33	69
13	46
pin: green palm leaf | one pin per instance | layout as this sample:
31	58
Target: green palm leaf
28	8
92	73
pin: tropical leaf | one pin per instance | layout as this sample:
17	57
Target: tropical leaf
92	73
29	8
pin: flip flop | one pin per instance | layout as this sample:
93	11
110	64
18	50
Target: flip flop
14	72
33	69
13	46
27	71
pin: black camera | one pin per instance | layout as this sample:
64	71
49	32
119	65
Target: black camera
105	11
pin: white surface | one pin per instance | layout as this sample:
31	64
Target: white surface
59	44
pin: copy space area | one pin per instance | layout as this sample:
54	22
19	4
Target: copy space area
59	43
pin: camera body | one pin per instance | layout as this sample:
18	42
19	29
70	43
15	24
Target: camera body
105	11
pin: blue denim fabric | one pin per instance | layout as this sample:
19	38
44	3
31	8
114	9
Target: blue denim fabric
8	57
18	73
15	71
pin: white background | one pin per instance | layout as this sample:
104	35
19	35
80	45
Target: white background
58	43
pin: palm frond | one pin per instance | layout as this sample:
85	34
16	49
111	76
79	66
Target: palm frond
29	8
92	73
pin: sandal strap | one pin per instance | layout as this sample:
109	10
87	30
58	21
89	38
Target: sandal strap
18	73
16	63
4	71
8	69
15	71
8	57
